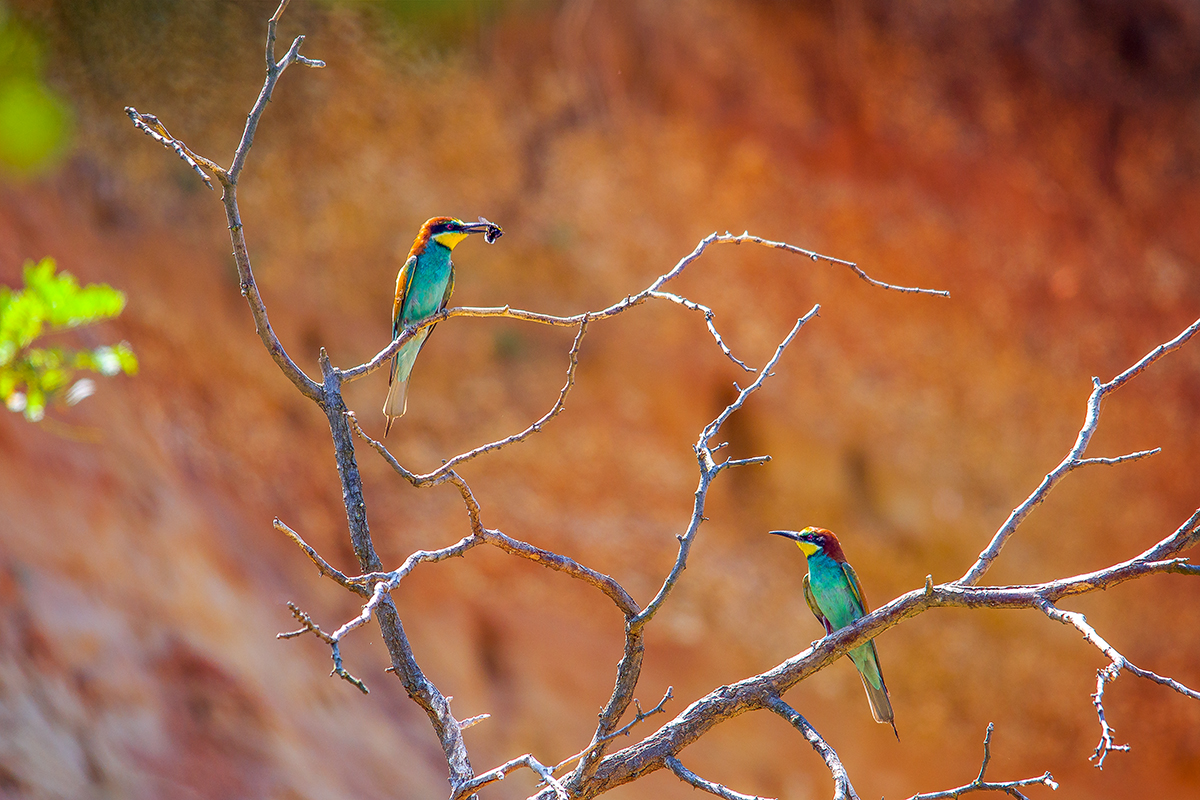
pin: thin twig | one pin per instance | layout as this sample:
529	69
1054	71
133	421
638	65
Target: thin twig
442	473
708	320
323	566
687	776
638	717
313	628
1107	743
746	237
1074	458
1107	674
1184	537
499	773
709	469
153	127
980	785
1083	462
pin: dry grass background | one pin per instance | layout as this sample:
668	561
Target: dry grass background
1041	163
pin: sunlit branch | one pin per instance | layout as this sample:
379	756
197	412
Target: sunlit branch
651	291
980	785
499	773
1074	458
709	469
323	566
334	645
756	692
442	473
153	127
687	776
842	789
622	731
708	320
629	668
1107	674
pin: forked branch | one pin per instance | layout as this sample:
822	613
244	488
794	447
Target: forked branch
981	785
1074	458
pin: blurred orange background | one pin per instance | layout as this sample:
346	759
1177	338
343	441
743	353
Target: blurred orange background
1039	161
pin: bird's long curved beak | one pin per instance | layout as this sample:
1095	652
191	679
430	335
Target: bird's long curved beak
795	537
490	230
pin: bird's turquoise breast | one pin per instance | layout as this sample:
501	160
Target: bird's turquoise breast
428	284
832	591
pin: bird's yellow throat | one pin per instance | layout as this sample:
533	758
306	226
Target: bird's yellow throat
449	239
808	548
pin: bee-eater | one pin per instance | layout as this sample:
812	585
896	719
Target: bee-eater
423	288
834	595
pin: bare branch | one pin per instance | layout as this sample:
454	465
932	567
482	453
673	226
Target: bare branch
499	773
507	312
687	776
1184	537
471	722
1107	743
1074	458
629	668
746	237
641	715
708	320
743	462
153	127
709	469
980	785
443	472
274	70
605	583
323	566
1083	462
1107	674
842	789
313	628
546	558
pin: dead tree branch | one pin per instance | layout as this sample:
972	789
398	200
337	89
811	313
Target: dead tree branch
1074	458
980	785
842	789
687	776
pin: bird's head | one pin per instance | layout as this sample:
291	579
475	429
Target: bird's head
448	231
815	540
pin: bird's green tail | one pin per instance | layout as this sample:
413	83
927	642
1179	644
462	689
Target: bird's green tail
867	662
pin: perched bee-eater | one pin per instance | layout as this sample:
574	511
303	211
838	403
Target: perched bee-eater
834	595
423	288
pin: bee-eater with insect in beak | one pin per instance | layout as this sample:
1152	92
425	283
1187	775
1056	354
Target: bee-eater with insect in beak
834	595
423	288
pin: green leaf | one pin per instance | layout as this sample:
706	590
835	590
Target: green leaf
30	377
35	405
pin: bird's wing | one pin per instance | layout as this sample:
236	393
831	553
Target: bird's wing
814	608
449	288
855	587
402	283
